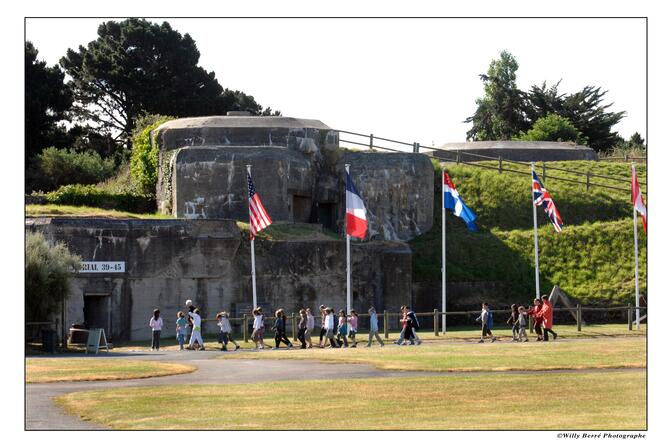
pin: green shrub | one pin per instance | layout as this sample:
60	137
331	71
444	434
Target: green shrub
145	154
553	128
48	270
92	196
58	167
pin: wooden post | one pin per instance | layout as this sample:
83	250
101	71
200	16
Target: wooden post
371	142
578	317
457	158
626	158
385	325
293	327
587	181
543	171
436	322
245	327
629	317
500	164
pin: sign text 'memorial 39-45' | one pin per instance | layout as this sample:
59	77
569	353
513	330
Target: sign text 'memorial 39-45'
94	267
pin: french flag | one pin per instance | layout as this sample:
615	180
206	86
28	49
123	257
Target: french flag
637	199
453	201
355	213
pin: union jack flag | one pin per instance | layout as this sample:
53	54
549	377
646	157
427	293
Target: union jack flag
542	197
259	219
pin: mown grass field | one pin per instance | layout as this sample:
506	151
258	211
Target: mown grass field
487	357
49	370
604	401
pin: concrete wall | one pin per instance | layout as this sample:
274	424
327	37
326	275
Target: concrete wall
521	151
168	261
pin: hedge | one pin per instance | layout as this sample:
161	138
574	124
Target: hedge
92	196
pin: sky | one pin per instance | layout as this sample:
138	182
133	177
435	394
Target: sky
405	79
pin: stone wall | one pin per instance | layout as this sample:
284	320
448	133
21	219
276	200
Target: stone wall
168	261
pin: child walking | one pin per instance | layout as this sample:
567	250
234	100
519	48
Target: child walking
303	325
522	322
258	328
181	329
279	327
329	327
373	327
323	329
156	323
225	331
535	312
513	321
486	322
352	320
310	325
196	331
342	338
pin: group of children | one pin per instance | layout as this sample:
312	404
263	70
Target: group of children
541	312
335	334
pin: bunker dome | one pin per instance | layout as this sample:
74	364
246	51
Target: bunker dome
297	170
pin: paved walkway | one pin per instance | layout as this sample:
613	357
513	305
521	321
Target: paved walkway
43	414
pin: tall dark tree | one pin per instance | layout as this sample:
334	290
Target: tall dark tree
499	113
48	100
137	67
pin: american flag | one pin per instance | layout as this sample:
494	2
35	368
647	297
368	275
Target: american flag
259	219
541	197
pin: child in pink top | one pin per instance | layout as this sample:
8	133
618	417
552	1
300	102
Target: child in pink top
352	320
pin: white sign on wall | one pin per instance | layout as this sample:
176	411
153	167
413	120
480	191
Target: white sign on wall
94	267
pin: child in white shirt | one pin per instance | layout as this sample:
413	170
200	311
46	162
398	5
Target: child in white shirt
156	324
196	332
225	330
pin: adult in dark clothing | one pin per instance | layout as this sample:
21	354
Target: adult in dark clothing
279	327
513	321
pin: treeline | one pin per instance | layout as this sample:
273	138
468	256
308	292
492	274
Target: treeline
86	108
505	112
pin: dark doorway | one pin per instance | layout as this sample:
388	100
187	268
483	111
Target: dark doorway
301	209
326	215
97	312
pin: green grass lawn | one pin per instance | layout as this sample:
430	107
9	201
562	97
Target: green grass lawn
438	357
568	401
48	370
81	211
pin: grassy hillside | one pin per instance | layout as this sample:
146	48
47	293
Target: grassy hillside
592	259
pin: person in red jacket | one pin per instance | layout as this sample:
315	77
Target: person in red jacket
535	313
547	316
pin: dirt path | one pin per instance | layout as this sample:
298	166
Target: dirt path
43	414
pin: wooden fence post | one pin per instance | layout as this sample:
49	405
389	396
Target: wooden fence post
587	180
543	171
371	142
385	326
457	158
500	164
245	327
629	317
578	317
436	322
293	326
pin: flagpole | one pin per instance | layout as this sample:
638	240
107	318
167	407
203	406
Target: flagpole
254	270
443	254
347	245
634	227
536	243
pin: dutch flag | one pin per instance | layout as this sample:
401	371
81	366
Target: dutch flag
355	213
453	201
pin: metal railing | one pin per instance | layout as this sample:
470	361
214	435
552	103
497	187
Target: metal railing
460	154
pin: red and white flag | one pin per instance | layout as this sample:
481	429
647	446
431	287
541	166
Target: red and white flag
355	213
637	199
259	219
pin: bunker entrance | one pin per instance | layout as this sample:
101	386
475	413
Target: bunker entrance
300	208
326	215
97	312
